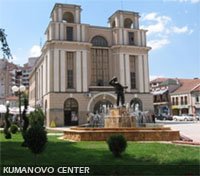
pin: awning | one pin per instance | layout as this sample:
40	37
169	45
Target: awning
159	92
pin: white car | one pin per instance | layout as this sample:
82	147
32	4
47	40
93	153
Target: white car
183	117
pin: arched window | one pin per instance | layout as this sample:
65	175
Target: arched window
71	104
101	104
99	41
136	104
128	23
68	17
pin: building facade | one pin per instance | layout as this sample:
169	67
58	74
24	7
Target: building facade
26	70
161	89
7	79
72	74
185	100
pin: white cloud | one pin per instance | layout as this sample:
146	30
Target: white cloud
158	22
160	28
180	30
158	43
35	51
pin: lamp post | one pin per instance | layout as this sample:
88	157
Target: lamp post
19	90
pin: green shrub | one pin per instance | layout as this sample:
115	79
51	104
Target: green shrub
13	128
37	117
117	144
36	139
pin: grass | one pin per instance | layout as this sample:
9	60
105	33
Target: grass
139	158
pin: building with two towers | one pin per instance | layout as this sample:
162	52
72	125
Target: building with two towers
71	77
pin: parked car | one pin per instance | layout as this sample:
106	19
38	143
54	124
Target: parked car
183	117
164	117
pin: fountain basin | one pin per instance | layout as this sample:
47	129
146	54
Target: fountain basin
130	133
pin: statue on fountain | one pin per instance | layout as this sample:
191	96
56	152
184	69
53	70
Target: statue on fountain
119	90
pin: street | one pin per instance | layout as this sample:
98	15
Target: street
190	129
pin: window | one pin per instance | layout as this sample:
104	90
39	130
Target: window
182	101
197	99
176	100
128	23
131	38
69	32
133	80
186	100
173	101
68	17
100	67
70	70
99	41
132	71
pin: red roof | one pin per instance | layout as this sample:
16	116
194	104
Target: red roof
196	88
187	85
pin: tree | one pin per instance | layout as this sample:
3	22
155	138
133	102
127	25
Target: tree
26	120
36	139
7	124
36	136
5	48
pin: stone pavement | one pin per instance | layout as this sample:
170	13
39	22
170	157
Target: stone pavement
187	129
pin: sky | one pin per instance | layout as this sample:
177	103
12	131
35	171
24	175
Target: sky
173	29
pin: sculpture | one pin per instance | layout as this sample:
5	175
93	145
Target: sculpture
119	90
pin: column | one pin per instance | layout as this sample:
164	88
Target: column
77	15
121	21
78	72
136	22
83	32
85	71
51	71
63	68
61	31
146	73
60	14
143	38
140	74
139	38
44	76
78	32
116	22
121	68
56	70
127	72
125	37
120	36
56	31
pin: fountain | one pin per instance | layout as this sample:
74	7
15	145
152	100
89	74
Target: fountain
135	125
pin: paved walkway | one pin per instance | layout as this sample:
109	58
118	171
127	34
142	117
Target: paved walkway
190	129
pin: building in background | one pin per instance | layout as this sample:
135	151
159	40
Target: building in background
185	99
72	74
195	95
161	89
26	70
7	79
